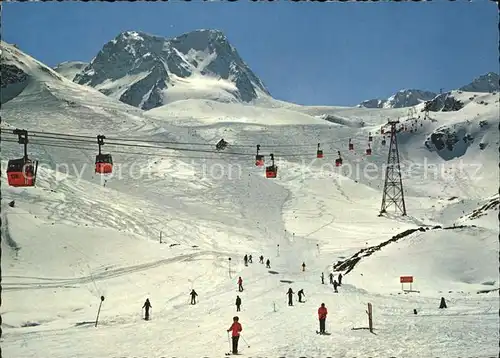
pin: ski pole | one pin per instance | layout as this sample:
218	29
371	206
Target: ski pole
244	340
229	341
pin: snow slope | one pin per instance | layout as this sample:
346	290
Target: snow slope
70	69
76	237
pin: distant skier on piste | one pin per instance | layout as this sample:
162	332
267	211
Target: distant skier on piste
290	296
322	278
331	278
340	279
335	285
300	294
240	284
147	306
261	259
193	297
245	258
268	264
303	266
250	259
235	330
238	303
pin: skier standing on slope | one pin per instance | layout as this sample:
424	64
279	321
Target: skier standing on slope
238	303
331	278
300	294
290	296
335	285
240	284
322	312
193	297
235	335
340	279
303	266
147	306
261	259
250	259
322	278
268	264
245	258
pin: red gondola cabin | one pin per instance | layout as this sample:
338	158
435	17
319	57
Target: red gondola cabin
319	152
21	172
271	171
368	150
259	160
338	161
103	164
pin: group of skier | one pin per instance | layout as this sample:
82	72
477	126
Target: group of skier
236	327
332	281
248	259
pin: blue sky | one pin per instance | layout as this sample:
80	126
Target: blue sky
307	53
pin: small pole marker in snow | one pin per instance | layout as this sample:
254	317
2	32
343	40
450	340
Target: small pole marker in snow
370	317
160	237
229	267
278	247
99	311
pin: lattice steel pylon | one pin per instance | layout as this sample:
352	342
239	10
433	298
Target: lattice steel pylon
393	184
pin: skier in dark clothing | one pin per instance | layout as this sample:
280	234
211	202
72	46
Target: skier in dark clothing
301	293
303	266
261	259
331	278
290	296
245	258
147	306
240	284
238	303
322	278
268	264
193	297
235	329
335	284
340	279
250	259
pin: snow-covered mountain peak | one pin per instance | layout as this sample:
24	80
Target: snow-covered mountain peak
148	71
488	82
401	99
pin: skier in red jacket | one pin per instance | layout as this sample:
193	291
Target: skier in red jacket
235	335
322	312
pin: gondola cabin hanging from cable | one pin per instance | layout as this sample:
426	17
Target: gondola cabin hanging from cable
22	172
272	170
259	159
368	150
351	146
319	152
370	137
338	161
103	162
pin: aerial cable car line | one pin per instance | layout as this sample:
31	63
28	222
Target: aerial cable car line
91	139
156	154
158	147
